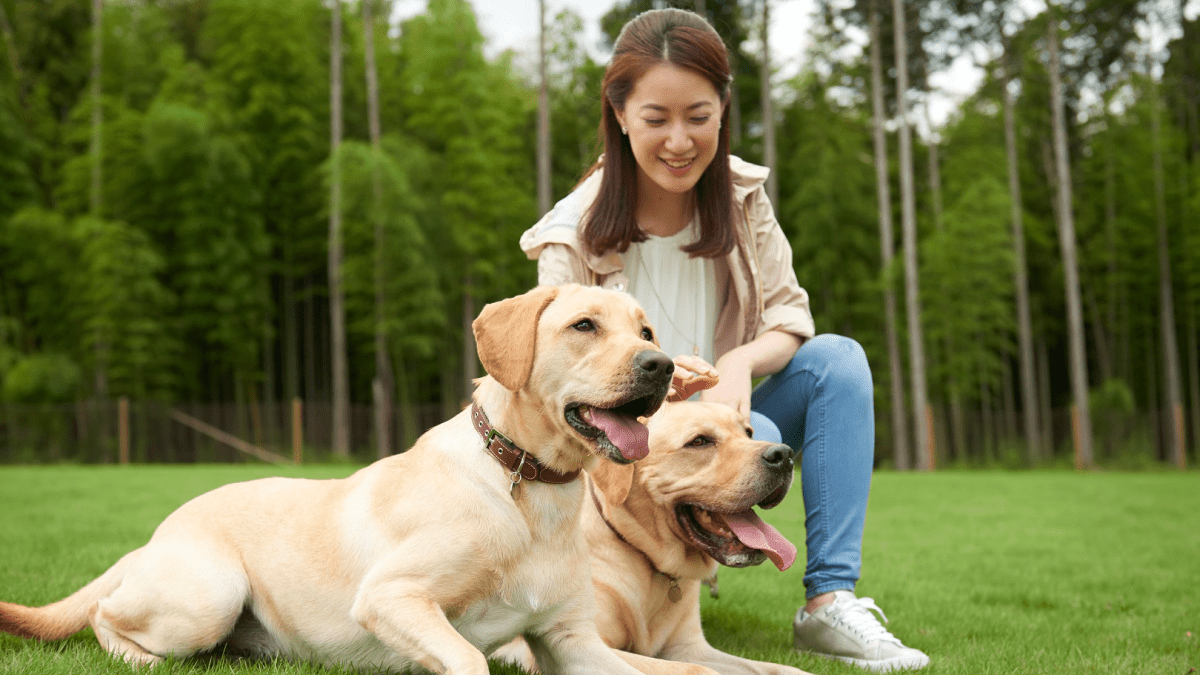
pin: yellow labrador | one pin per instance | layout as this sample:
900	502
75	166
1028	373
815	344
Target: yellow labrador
430	558
658	528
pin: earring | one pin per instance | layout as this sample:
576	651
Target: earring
625	130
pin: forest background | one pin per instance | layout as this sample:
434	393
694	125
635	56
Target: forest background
183	182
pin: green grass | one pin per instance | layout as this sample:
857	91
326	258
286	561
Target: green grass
987	572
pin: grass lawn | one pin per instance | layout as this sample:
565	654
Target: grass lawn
987	572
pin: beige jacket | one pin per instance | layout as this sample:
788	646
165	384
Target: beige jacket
756	278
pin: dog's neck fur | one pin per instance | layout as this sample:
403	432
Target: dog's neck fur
531	427
661	550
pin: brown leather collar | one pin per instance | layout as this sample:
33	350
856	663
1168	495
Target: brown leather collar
520	464
674	593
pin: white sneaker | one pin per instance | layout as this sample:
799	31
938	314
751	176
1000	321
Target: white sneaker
846	630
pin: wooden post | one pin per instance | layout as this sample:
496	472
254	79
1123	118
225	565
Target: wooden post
1075	437
297	430
1179	451
123	429
931	449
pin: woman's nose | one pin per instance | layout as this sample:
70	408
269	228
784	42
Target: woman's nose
679	140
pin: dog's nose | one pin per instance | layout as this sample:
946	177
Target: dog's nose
654	364
778	457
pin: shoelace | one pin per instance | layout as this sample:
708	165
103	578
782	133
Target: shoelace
858	618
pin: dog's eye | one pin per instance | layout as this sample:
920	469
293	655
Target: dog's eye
699	442
647	335
585	326
749	432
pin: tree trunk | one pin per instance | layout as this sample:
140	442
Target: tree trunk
1110	244
14	58
1081	416
1047	412
97	148
900	453
96	201
337	313
384	382
958	426
1029	405
1010	402
1152	403
935	184
543	126
291	332
908	225
407	426
1193	339
470	368
768	108
309	390
1172	388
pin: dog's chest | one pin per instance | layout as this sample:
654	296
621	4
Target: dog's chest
548	573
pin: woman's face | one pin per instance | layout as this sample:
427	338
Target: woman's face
673	117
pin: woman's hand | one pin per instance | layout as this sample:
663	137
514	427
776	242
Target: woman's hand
765	355
692	374
733	388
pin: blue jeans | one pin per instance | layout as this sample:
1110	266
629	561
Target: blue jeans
822	405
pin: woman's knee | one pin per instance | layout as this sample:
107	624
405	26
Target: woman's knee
838	358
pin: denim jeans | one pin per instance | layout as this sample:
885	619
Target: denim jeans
822	405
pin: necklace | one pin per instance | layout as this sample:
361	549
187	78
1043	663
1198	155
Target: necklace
665	311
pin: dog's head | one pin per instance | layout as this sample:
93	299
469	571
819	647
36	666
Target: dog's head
700	482
583	357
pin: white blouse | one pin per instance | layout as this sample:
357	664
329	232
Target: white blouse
679	293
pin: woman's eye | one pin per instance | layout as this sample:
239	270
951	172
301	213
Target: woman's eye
647	335
585	326
700	120
699	441
655	123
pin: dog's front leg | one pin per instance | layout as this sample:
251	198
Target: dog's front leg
701	653
576	651
403	616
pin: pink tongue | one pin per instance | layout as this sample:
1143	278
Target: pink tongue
630	436
753	532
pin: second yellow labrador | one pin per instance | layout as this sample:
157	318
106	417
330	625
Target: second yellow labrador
431	558
658	528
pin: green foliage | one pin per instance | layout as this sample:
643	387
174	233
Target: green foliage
828	211
966	286
39	265
574	83
202	276
40	378
376	189
121	305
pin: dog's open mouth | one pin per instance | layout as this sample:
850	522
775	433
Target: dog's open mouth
615	430
738	539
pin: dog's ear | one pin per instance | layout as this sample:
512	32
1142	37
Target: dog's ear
614	480
506	335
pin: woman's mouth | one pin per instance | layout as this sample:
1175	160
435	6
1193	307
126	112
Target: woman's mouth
678	167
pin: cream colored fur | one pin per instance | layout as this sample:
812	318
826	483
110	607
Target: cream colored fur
428	558
634	612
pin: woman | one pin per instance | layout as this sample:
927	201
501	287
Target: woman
670	216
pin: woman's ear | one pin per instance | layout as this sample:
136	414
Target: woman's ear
620	117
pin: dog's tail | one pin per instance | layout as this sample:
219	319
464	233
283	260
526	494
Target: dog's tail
68	616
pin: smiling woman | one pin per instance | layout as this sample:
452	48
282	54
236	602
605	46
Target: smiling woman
670	216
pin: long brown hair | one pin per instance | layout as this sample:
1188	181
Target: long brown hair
685	40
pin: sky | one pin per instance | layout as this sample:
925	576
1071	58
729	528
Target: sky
513	24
